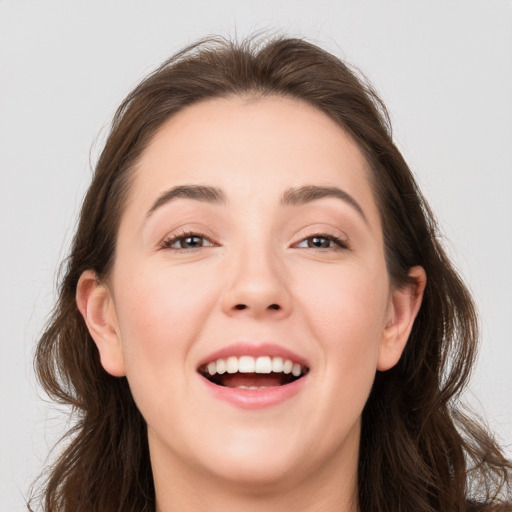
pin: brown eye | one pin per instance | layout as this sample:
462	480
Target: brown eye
319	242
188	241
322	242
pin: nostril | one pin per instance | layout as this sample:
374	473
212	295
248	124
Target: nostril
243	306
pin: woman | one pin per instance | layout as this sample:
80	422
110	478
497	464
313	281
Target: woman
257	313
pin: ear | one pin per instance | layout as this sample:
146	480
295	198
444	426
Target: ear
404	306
95	303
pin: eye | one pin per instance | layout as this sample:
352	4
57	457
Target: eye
186	241
322	242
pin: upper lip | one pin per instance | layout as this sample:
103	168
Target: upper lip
255	350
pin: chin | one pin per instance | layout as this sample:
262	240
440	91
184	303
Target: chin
259	460
258	473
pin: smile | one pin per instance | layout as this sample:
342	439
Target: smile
253	376
253	373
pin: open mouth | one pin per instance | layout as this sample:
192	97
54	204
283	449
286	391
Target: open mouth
247	372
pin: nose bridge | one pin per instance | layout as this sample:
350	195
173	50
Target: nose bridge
256	280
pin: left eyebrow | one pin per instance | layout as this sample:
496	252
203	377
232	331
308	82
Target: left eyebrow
301	195
195	192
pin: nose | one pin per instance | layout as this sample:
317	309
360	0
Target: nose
256	286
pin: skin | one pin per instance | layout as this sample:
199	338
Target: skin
255	279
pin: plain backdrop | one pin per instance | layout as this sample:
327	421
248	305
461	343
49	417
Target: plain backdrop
444	70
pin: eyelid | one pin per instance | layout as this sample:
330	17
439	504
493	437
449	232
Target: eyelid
340	243
340	239
335	234
173	237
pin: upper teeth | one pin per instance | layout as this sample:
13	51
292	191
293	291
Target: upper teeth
248	364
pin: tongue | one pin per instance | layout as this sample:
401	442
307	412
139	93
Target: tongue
235	380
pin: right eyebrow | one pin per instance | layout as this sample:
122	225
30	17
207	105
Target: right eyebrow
196	192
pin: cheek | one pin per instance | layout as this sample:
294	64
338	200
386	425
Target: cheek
160	314
346	308
351	298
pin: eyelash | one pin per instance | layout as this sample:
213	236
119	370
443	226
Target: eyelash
167	243
340	243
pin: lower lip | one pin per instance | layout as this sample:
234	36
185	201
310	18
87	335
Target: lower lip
255	398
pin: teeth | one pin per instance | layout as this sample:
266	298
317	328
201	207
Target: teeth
277	364
245	364
263	365
231	364
252	387
248	364
221	366
212	368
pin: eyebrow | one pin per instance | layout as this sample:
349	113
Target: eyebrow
308	193
291	197
196	192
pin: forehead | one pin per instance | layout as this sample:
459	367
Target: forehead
251	146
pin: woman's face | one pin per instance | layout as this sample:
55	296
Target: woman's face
251	249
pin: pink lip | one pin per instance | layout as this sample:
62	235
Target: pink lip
254	350
255	398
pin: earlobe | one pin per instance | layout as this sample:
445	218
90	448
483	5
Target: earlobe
95	303
404	306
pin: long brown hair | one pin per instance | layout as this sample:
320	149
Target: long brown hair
418	451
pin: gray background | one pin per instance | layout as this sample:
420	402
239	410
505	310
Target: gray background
444	70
